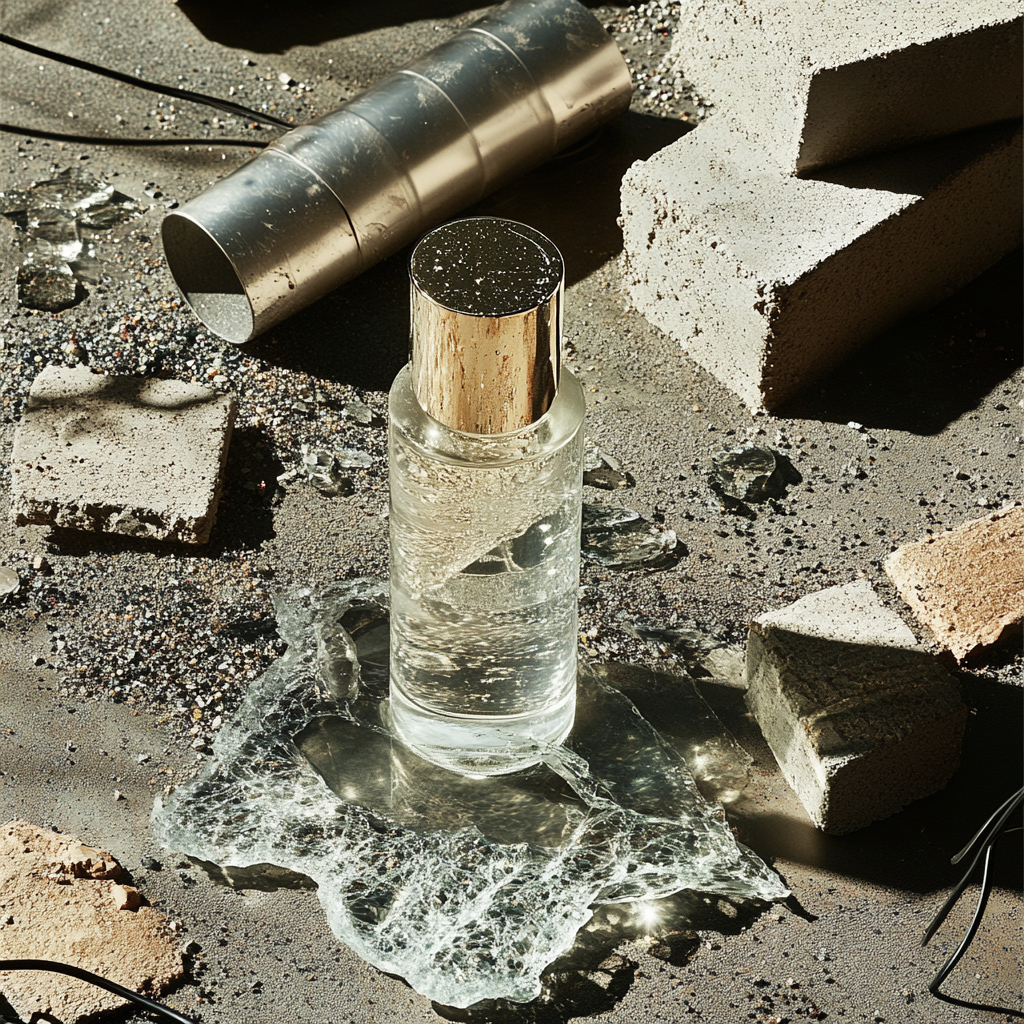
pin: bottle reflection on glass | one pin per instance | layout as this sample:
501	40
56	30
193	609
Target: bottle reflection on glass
486	466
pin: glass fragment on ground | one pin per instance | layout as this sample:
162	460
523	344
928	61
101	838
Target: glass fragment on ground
604	471
10	581
751	474
329	472
619	538
687	643
60	223
468	888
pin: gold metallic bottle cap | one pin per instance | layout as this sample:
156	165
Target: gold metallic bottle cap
486	324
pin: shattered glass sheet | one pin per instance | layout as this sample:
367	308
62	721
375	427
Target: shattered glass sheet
60	222
751	474
468	888
619	538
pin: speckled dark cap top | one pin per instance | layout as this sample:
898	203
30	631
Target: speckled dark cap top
486	324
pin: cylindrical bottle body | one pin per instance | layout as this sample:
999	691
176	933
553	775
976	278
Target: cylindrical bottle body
484	533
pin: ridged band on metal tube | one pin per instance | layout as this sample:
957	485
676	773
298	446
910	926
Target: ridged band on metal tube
333	197
486	324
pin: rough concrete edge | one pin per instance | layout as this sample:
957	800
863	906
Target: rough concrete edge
709	64
746	374
132	521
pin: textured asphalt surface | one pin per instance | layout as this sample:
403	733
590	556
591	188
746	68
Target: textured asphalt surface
917	433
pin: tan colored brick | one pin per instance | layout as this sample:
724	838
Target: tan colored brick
966	585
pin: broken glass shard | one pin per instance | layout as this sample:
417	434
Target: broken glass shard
751	474
360	412
468	888
607	479
50	287
719	765
353	458
59	223
619	538
688	643
604	471
327	471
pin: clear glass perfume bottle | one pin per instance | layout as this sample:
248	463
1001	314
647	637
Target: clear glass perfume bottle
486	466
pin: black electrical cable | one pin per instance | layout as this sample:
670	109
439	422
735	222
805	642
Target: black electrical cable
167	90
95	979
106	140
988	835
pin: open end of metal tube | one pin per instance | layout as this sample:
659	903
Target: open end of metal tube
207	279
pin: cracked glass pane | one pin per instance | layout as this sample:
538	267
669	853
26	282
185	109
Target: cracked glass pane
619	538
467	888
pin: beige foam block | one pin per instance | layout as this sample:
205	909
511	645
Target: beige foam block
59	901
120	454
813	84
966	585
770	281
860	719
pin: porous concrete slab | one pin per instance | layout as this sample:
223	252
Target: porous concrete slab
966	585
62	901
812	84
120	454
769	281
861	720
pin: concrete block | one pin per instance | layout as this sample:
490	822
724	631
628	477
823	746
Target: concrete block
966	585
812	84
121	455
861	721
770	281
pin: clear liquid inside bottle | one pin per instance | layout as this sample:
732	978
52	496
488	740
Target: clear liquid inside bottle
484	579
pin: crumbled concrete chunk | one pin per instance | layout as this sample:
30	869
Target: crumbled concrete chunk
769	281
861	721
814	84
59	902
126	455
966	585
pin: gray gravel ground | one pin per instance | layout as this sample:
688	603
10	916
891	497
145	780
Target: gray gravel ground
119	659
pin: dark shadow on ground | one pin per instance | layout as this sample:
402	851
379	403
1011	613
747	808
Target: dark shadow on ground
269	27
934	366
359	334
911	850
244	515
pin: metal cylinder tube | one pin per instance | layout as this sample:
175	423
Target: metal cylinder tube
331	198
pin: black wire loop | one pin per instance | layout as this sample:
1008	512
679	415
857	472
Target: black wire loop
985	838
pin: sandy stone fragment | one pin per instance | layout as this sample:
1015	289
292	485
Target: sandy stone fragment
119	454
59	901
966	585
125	897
